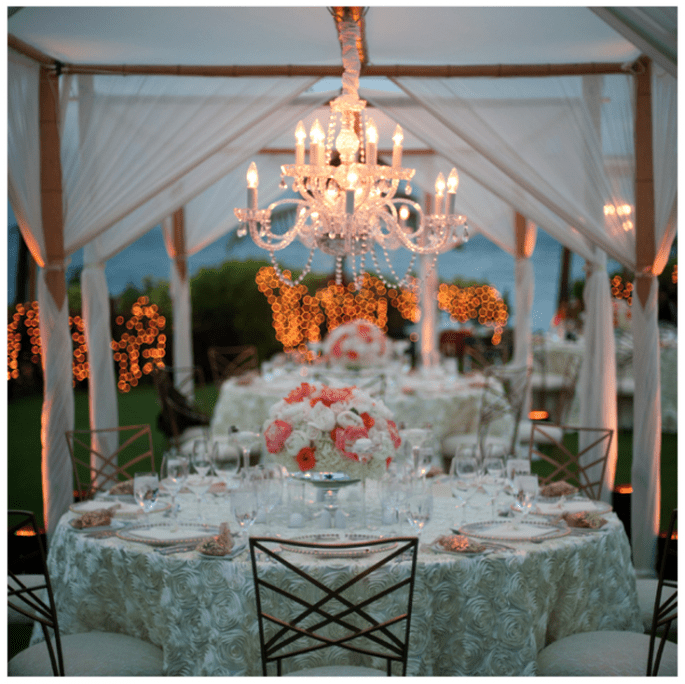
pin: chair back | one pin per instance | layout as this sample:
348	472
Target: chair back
228	362
584	468
299	613
176	393
666	610
503	397
102	458
36	601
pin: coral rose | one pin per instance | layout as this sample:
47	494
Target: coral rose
305	458
276	434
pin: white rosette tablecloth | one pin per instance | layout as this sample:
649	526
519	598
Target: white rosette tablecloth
479	615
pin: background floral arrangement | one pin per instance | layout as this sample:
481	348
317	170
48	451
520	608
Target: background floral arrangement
358	343
316	426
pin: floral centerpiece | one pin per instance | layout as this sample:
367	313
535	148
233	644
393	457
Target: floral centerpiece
357	344
316	427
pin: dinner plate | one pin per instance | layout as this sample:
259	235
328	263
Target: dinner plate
114	526
513	530
337	538
92	505
168	534
235	551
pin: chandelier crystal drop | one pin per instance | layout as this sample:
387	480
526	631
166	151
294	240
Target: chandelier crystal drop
348	202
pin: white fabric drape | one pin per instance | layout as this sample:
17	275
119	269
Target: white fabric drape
24	188
646	468
179	289
597	381
102	393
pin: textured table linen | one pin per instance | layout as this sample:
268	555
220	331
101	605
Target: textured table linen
481	615
451	407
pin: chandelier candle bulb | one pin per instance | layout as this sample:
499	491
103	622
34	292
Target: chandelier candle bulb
371	143
300	136
252	183
316	149
439	193
452	185
349	202
397	139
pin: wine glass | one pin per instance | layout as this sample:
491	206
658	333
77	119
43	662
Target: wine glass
201	481
419	506
494	477
225	461
526	487
245	506
145	490
174	475
392	492
246	440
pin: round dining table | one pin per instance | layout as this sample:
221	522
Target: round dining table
482	614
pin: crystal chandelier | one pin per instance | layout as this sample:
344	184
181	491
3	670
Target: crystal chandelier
348	203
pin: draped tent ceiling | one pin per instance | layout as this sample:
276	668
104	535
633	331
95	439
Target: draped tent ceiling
135	148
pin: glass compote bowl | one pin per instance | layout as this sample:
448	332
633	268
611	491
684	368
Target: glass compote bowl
145	490
174	474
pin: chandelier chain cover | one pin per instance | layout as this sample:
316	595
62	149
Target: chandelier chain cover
348	204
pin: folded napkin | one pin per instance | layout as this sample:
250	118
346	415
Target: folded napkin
220	545
587	520
217	488
122	488
567	507
558	489
98	518
435	471
458	543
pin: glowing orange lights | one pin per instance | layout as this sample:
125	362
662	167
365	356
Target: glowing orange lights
624	489
538	415
146	321
481	302
621	290
297	315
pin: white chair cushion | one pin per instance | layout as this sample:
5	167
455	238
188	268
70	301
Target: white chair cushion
95	654
646	594
525	426
14	617
603	654
337	671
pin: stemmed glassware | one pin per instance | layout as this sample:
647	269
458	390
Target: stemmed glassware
145	490
246	440
393	494
245	506
201	464
174	475
463	475
414	439
526	487
225	458
494	476
419	505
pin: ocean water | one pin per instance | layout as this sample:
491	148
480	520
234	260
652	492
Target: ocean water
479	259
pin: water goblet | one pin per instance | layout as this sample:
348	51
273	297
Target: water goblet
245	506
526	487
174	474
392	492
246	440
419	506
225	458
201	480
145	490
413	439
494	477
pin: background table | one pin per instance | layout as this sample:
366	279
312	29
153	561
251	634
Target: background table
483	615
450	405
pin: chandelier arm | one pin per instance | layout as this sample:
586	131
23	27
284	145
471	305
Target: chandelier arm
276	242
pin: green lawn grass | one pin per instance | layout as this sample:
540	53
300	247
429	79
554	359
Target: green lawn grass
140	406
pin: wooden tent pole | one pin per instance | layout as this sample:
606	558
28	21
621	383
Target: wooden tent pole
645	246
51	185
180	244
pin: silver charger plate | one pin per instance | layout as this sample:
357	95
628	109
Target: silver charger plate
180	533
528	530
326	479
337	538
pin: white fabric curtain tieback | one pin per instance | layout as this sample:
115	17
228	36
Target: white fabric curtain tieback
57	265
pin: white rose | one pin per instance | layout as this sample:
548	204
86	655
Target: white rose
296	412
296	441
321	417
349	419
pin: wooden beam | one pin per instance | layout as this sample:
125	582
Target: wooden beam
29	51
180	244
51	185
645	246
